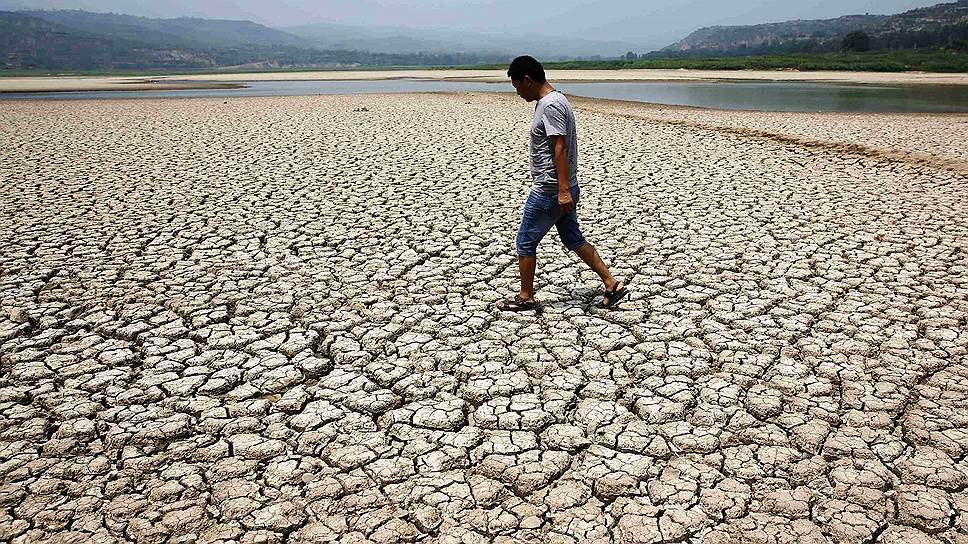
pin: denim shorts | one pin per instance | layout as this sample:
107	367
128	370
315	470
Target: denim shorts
541	211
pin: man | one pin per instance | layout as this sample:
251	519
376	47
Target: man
554	194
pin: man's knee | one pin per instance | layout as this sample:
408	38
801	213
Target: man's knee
526	248
527	242
573	240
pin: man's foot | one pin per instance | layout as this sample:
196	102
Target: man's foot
517	304
613	295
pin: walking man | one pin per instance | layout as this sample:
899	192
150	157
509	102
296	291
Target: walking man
554	193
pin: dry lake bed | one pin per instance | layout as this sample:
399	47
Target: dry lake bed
270	320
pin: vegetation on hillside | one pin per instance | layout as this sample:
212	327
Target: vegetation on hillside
942	25
76	40
183	32
936	60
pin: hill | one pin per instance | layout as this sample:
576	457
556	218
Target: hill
30	42
79	40
936	26
180	32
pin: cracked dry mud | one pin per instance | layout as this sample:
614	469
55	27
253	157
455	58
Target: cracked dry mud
270	320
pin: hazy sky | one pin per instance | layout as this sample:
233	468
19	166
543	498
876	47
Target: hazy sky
642	21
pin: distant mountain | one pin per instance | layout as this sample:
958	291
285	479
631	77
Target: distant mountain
377	39
412	40
938	25
180	32
31	42
77	40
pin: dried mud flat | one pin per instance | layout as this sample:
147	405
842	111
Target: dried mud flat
269	320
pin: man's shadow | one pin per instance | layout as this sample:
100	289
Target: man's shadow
585	298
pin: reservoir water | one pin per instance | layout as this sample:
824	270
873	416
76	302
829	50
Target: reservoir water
765	96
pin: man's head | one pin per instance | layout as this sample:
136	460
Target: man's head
528	77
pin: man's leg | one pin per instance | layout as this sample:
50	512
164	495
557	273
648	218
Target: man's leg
535	223
589	254
573	239
526	266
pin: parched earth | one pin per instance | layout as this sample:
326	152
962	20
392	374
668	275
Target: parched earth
270	320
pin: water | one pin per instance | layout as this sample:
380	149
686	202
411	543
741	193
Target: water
769	96
766	96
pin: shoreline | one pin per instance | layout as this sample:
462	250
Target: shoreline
41	84
110	85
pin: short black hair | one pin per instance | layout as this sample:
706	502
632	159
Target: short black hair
526	66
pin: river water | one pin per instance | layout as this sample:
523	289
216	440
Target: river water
765	96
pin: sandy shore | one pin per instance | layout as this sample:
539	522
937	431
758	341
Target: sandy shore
71	84
270	319
67	83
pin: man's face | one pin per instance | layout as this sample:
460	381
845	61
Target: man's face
525	88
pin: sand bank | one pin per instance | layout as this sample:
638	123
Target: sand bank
105	83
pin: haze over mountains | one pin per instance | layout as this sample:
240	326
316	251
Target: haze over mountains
643	26
412	40
74	39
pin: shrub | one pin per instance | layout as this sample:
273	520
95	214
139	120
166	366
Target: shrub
857	41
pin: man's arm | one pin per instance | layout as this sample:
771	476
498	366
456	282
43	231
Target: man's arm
565	202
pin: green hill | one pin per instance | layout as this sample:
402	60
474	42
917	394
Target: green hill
78	40
943	25
30	42
181	32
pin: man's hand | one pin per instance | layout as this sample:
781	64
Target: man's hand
565	202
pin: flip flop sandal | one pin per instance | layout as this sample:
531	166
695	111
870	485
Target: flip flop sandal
516	304
615	295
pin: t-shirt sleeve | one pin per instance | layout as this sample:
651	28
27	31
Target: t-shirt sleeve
555	120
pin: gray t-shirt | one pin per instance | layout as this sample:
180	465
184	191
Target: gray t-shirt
552	117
